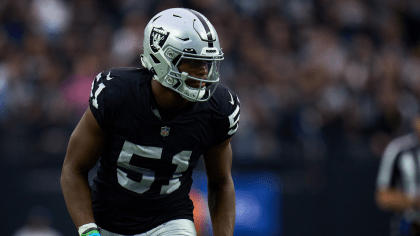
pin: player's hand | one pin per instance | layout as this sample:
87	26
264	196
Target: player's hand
91	232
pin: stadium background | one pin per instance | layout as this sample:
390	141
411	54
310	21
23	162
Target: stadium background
324	86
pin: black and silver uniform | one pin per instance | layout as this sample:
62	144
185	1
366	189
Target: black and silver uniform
145	168
400	169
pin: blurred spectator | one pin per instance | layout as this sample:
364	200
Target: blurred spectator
300	66
38	224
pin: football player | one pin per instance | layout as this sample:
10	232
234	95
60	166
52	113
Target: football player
398	182
148	128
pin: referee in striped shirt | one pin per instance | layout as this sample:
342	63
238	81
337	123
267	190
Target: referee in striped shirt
398	182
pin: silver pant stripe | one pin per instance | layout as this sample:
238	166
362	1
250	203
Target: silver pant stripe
180	227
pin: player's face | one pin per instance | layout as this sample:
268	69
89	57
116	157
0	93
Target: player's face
194	68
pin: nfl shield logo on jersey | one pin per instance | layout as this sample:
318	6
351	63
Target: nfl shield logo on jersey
164	131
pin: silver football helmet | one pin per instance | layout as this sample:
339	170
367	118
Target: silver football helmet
176	34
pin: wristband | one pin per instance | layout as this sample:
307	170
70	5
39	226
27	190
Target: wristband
90	229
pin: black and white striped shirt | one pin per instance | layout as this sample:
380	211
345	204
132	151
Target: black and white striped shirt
400	168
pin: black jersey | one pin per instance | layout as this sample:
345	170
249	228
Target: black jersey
145	168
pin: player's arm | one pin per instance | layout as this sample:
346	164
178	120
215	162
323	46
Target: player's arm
83	151
221	191
395	200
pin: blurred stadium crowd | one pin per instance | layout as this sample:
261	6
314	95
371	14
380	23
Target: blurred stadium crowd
317	79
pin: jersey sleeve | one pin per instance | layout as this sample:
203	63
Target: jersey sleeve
229	122
105	98
388	167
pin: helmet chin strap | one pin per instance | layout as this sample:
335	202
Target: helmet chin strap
188	93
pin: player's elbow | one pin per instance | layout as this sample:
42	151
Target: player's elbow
220	183
69	173
66	174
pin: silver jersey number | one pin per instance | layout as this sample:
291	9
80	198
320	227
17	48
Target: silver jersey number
181	160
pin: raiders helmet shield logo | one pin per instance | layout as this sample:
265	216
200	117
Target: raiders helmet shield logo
158	38
164	131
